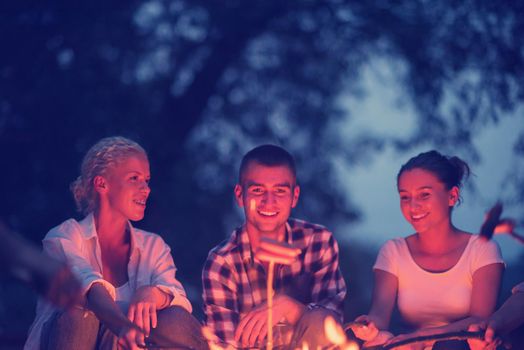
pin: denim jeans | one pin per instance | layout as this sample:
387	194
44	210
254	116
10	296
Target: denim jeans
80	330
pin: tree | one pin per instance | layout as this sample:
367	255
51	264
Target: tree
198	83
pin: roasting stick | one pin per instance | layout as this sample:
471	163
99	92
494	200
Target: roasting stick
461	335
269	289
493	224
274	252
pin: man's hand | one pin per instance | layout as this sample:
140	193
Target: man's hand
253	328
49	277
490	341
142	312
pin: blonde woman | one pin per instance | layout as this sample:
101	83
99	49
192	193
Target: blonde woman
131	295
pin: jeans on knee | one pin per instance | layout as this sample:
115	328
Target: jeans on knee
70	329
77	329
178	329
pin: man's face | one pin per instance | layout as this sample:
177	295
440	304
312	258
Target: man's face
267	194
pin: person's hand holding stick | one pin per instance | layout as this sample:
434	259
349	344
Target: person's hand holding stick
50	278
272	251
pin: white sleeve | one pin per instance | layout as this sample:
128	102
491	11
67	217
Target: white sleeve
387	259
163	275
66	244
485	253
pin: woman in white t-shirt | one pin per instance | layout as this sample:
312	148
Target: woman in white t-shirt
131	297
441	277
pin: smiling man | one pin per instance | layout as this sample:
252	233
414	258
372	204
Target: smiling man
234	280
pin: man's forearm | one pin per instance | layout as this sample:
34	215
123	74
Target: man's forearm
510	315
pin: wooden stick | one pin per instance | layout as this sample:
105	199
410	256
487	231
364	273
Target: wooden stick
444	336
269	289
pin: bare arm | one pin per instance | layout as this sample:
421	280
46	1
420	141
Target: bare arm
504	320
509	316
107	311
143	309
486	285
367	327
384	297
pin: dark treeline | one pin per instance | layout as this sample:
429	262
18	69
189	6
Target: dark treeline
198	83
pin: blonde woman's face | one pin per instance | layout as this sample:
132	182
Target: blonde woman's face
128	187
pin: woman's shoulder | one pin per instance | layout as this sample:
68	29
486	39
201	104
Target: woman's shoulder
68	228
396	242
482	251
145	238
485	247
394	245
478	242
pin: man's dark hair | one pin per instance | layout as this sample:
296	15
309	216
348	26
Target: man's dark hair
268	155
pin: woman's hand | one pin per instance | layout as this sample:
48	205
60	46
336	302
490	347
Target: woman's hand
127	339
381	338
142	312
364	328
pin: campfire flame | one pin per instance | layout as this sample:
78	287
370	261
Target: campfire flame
336	335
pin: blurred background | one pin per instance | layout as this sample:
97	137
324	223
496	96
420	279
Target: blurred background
352	88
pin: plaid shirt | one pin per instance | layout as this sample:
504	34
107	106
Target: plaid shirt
234	283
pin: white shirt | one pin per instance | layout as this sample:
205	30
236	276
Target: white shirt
430	299
123	295
150	264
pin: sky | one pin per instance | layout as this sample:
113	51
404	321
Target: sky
372	184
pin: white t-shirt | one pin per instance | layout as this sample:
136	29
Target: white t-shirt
123	295
433	299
